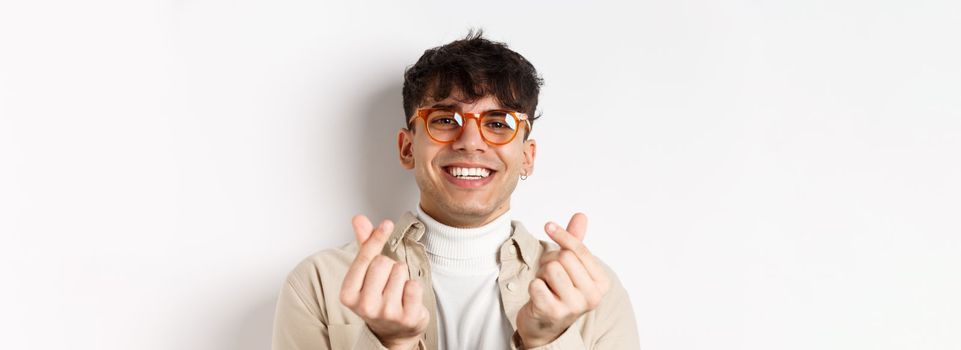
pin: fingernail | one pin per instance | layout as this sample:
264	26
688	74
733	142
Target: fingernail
551	227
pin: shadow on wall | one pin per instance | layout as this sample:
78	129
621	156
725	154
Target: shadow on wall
257	328
388	188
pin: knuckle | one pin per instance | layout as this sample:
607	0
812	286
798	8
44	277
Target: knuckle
409	320
537	307
594	297
348	299
555	269
582	248
368	310
541	272
391	313
413	287
535	289
414	316
593	303
399	270
569	259
532	289
583	304
381	260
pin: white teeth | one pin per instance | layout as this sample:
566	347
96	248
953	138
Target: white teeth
469	173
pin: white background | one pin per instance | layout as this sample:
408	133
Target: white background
761	174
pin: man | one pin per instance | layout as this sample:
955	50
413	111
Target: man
458	273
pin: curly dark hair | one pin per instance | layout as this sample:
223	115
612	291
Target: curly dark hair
477	67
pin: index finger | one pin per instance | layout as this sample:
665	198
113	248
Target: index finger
565	239
570	242
370	244
373	242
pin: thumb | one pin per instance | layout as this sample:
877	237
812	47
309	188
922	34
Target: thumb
362	228
578	226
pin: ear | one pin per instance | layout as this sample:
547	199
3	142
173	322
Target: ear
405	144
530	152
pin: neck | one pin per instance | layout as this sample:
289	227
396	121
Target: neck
463	221
464	250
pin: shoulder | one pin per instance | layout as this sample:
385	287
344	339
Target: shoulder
322	266
317	278
325	261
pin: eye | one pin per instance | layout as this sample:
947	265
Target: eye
496	125
444	120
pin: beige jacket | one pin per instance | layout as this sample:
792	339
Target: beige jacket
309	315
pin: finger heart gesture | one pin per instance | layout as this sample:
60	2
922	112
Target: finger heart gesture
378	289
569	282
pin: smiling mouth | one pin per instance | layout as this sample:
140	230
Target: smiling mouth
468	173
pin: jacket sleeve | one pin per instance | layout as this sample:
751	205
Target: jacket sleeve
297	321
300	322
569	340
616	325
368	341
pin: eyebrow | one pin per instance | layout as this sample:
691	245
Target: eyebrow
454	107
444	105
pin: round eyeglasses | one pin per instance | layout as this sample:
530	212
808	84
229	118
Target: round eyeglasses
497	127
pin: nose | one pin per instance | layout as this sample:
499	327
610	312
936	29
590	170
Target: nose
470	138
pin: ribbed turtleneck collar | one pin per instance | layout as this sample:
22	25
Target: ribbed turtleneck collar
464	250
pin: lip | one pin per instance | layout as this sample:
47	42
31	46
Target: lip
467	165
464	183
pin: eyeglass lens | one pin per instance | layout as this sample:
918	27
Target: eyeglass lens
495	126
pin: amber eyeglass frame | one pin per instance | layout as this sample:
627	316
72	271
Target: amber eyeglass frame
422	113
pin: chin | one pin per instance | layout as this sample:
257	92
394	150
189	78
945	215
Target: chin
469	209
467	206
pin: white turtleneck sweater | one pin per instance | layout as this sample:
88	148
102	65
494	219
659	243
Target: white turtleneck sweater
464	270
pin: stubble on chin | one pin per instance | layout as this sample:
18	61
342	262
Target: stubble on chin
472	211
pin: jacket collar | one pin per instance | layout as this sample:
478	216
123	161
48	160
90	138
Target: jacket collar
408	227
525	243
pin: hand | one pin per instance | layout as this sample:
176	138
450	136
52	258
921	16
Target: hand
378	290
569	283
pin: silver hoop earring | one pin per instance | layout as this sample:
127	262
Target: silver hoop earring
524	177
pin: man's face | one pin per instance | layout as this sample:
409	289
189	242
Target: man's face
459	201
